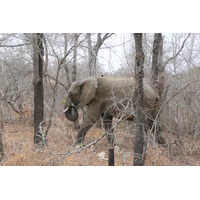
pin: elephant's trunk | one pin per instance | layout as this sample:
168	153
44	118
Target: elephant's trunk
71	112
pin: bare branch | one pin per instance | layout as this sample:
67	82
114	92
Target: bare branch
167	61
61	84
173	95
15	45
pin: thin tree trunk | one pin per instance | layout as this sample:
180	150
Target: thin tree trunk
157	68
93	51
45	71
158	79
139	75
66	66
1	147
38	88
74	70
1	129
1	117
90	54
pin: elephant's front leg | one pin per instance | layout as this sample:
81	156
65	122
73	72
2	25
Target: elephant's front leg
92	116
81	134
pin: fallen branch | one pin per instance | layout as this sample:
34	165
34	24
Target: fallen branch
83	148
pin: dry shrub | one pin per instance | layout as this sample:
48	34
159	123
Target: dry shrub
20	151
181	113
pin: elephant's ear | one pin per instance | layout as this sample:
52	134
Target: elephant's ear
88	90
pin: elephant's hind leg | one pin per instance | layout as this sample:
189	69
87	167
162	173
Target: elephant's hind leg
107	124
157	131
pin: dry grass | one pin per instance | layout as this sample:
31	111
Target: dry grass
19	149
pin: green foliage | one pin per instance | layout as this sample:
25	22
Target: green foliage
69	104
82	145
63	101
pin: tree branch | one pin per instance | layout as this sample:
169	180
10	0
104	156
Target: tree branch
61	84
17	45
168	60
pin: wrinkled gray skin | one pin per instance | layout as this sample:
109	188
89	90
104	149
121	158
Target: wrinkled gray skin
106	97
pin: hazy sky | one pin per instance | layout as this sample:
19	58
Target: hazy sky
112	53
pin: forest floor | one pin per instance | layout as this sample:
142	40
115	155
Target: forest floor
19	149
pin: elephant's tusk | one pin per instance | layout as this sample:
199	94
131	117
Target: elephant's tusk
66	109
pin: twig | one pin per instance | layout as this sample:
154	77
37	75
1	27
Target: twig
168	60
15	45
57	117
83	148
41	133
2	68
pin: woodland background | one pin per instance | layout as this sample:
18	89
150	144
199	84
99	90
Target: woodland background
74	56
87	16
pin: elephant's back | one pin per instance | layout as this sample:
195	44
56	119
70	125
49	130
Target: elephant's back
116	86
116	93
123	88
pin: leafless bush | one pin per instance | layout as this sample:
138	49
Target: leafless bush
180	116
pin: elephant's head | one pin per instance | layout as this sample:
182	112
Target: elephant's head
80	94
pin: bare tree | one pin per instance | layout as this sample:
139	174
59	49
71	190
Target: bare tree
158	74
66	67
157	68
1	147
94	49
139	116
74	69
1	128
158	78
38	87
1	117
91	56
1	106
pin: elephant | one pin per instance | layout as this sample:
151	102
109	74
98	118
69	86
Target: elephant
107	97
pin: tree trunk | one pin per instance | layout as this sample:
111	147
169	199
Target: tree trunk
65	64
74	70
1	147
91	56
139	118
1	116
158	79
45	71
1	129
157	69
93	51
38	48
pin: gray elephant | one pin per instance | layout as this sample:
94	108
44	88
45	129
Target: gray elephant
107	97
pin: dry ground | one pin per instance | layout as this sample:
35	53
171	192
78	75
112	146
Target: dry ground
20	151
